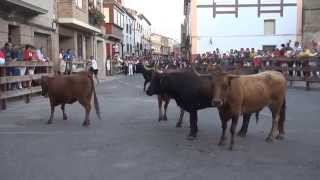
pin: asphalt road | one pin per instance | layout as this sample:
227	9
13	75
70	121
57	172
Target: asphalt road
129	143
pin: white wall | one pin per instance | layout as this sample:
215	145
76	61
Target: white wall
246	31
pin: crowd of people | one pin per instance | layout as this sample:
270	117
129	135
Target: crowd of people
10	52
130	65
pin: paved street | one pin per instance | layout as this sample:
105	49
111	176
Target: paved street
129	143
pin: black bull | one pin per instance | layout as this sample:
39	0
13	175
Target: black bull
147	73
191	93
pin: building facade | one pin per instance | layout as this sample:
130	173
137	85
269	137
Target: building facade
128	33
185	47
161	45
311	19
241	24
145	35
30	22
114	23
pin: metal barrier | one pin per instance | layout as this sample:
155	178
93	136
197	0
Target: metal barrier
21	79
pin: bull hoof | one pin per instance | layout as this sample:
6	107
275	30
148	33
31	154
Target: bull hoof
178	125
269	139
242	134
49	122
85	124
191	138
165	118
160	119
280	137
222	142
65	118
230	148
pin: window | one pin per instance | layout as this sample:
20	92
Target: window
127	29
79	3
106	15
80	46
269	27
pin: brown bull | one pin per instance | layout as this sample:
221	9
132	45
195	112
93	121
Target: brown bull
63	90
234	95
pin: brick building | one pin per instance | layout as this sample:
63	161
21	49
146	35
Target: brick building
29	22
79	30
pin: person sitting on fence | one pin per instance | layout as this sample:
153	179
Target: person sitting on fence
68	57
94	68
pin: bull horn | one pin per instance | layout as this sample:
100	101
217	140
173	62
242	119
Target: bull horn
199	74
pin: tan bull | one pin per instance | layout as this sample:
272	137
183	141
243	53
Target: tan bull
237	94
63	90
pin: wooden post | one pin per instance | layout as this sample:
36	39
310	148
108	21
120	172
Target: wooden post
307	85
3	87
236	8
281	8
259	8
214	9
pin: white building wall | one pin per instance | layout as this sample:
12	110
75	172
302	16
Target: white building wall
128	39
247	31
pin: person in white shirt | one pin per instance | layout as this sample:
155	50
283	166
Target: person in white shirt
130	64
94	68
108	66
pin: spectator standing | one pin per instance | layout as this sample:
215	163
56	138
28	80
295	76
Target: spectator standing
2	58
94	68
130	66
108	66
68	58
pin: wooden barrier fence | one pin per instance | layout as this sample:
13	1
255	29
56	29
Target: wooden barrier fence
14	84
305	69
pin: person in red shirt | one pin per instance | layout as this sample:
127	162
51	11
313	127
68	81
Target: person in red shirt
28	54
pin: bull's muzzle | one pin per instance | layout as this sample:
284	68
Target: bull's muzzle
216	103
149	93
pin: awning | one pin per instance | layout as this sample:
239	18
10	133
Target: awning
21	7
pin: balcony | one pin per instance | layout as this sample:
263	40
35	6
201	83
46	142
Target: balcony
75	16
21	7
114	32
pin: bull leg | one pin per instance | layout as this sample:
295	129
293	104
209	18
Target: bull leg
193	125
64	112
244	129
51	115
160	108
144	86
167	101
281	123
224	125
87	107
274	128
179	123
233	130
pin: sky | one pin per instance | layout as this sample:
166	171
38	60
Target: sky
166	16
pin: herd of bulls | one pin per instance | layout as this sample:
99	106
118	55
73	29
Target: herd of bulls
233	92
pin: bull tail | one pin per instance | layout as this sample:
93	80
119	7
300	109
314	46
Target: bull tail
95	99
257	117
